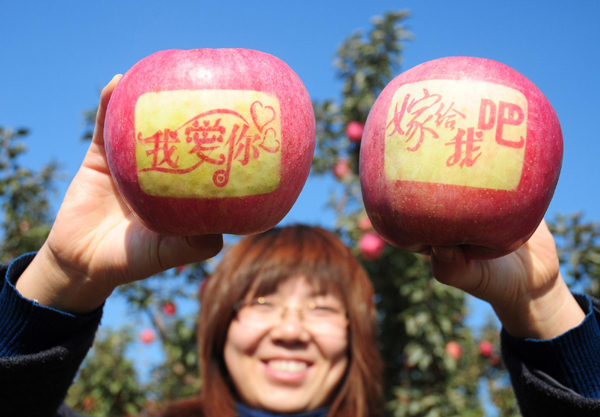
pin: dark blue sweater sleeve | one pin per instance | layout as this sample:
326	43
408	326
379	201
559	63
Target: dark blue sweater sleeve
572	359
27	327
41	349
558	377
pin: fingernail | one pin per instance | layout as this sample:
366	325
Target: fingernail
443	254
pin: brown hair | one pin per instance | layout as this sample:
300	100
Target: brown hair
259	263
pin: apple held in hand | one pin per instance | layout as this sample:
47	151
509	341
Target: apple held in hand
460	151
210	141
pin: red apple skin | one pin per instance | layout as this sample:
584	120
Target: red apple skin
494	360
147	336
355	130
371	246
364	224
169	308
487	223
454	350
341	169
486	348
213	69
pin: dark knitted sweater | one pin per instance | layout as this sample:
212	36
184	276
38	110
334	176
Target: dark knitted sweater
41	350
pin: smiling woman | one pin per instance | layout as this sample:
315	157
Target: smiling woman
287	325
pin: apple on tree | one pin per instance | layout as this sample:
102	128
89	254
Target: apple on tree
147	336
341	169
371	246
210	141
460	151
364	224
494	360
169	308
88	403
354	131
454	350
486	348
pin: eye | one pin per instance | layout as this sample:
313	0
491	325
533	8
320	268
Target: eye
323	309
261	303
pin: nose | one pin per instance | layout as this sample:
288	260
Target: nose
290	328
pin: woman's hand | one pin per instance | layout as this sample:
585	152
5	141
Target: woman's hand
525	288
96	243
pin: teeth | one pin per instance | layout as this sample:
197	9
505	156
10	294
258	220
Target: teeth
287	366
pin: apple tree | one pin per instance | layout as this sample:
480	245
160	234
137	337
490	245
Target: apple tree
434	364
25	197
578	243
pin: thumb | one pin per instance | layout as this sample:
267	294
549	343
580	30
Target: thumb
176	251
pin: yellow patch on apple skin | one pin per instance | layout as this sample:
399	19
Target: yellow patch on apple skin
458	132
208	143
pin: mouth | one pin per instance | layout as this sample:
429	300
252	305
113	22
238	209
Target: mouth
287	370
291	366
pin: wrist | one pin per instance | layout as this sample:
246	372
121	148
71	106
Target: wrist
54	285
545	315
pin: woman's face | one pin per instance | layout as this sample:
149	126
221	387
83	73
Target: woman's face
291	364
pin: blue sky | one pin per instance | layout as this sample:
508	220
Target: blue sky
56	56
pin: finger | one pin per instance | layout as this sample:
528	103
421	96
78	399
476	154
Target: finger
176	251
96	155
101	114
450	267
543	230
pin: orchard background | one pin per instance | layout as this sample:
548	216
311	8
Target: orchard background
441	346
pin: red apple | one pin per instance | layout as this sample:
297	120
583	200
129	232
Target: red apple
169	308
494	360
371	246
454	350
364	224
147	336
88	403
460	151
486	348
341	169
210	140
354	130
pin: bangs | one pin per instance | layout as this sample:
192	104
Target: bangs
256	266
283	254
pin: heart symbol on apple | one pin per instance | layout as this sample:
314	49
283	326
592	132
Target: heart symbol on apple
261	115
270	142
